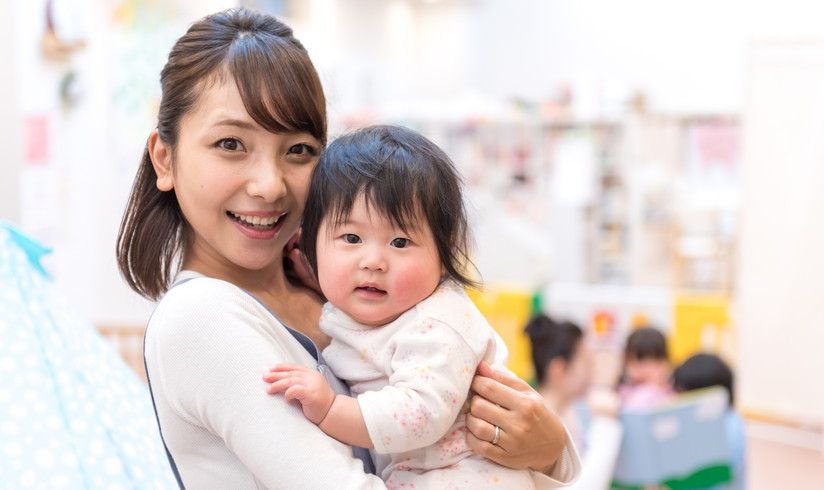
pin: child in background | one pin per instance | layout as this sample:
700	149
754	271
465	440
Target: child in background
703	371
646	380
564	369
386	231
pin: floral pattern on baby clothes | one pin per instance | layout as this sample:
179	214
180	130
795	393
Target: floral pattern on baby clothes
413	385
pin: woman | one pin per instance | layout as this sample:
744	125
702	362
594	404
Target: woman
564	369
219	195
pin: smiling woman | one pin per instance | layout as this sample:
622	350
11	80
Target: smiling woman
230	174
217	201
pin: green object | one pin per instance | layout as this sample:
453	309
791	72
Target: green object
703	478
537	306
707	477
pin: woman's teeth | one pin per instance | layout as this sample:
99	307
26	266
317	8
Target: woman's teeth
255	222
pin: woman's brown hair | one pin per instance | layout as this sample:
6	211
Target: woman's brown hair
281	91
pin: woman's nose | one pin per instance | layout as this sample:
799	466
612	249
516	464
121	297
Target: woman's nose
266	180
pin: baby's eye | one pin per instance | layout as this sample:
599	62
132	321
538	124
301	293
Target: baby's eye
230	144
400	242
351	238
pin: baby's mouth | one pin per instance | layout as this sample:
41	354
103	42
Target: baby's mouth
255	222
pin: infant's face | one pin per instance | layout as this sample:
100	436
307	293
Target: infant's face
372	270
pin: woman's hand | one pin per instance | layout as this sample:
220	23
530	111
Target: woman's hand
530	435
297	266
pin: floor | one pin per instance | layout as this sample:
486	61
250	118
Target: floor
783	458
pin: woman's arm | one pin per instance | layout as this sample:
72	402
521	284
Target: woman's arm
603	444
205	355
531	436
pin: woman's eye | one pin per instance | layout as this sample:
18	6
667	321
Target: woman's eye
351	238
400	242
230	144
302	149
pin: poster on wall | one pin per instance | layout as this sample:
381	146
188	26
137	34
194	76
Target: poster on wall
36	140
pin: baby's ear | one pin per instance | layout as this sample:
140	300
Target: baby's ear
161	155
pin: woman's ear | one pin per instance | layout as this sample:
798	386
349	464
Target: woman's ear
161	156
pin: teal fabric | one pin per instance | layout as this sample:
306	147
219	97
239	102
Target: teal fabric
34	250
72	413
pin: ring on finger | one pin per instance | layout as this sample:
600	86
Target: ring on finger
497	435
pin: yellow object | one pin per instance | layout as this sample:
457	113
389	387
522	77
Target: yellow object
508	310
702	324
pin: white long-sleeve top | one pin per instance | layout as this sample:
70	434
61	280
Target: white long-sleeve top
207	345
412	378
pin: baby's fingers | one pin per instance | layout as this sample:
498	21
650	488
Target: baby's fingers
280	385
272	376
289	367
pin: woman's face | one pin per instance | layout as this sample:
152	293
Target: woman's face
578	372
240	187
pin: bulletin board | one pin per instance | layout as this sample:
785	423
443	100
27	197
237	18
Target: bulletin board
780	295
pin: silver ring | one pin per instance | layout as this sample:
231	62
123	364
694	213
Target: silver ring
497	435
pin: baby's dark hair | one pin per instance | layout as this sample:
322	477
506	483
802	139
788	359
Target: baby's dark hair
646	343
550	340
404	177
703	371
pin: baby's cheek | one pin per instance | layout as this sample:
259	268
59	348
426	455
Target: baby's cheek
413	287
332	280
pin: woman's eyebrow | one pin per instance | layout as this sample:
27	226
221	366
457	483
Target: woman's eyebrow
238	123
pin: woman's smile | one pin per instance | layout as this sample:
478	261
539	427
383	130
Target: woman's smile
259	226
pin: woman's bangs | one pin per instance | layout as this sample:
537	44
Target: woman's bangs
271	80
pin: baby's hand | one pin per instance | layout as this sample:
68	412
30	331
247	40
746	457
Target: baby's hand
305	385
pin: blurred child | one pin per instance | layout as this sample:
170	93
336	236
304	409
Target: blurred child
646	381
564	368
703	371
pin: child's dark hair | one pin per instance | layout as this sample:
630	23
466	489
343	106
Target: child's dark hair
703	371
551	339
646	343
403	176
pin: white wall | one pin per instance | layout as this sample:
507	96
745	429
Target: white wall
9	128
687	57
781	266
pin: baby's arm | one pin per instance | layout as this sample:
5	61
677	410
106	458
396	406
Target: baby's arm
337	415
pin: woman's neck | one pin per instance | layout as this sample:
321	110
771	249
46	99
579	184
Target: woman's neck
297	306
